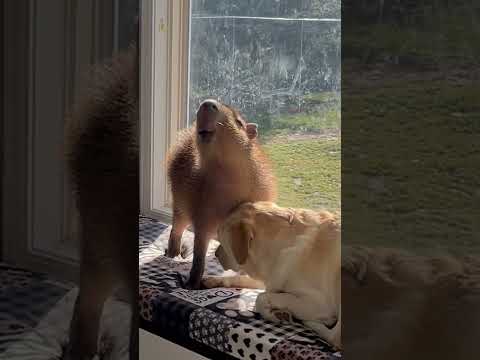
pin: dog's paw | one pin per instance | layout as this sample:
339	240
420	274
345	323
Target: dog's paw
329	321
283	315
264	306
336	342
211	282
331	336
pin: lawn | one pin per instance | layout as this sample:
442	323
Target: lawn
304	148
308	172
411	146
426	136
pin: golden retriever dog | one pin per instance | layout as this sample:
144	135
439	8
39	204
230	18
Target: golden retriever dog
397	305
295	255
400	305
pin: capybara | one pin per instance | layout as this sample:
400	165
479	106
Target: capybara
103	163
215	165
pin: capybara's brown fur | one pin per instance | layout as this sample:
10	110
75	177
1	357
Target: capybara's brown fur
215	165
103	164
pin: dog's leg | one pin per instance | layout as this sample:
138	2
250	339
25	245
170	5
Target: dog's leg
332	336
278	307
303	308
180	223
235	281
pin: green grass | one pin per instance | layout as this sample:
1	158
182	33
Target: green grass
324	117
322	97
425	135
315	122
308	172
305	151
450	38
405	178
405	182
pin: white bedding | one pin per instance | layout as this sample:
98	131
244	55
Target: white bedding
47	340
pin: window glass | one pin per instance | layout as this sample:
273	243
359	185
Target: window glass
278	62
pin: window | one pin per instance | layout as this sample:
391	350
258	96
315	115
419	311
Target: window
278	61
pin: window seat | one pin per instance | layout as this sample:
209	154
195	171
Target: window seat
216	323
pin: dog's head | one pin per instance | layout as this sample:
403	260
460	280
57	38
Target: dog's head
251	221
237	232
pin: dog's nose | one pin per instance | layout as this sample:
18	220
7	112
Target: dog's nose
209	105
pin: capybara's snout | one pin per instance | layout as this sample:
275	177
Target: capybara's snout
208	115
209	105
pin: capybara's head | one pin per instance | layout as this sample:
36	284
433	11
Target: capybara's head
220	124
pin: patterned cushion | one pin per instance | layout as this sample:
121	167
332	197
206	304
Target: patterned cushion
222	319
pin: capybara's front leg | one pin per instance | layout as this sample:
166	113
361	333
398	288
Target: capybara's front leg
88	307
200	247
179	225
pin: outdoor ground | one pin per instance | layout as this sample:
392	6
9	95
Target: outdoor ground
410	146
305	152
428	124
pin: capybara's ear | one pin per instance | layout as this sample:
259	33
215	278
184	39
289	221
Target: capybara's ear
252	130
241	236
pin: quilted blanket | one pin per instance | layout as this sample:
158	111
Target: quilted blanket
220	323
25	298
35	314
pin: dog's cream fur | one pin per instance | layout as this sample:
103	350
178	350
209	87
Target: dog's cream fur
295	255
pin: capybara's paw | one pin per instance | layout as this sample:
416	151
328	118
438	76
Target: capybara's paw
211	282
186	250
71	354
193	284
171	253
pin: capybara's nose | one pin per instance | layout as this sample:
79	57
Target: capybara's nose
209	105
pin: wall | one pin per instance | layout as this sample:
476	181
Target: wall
50	48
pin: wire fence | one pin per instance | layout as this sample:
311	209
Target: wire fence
266	18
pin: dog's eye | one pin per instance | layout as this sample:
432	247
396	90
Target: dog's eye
240	123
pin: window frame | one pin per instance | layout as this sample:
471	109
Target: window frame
164	75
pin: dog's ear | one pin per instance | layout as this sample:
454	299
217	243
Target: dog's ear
287	214
225	260
241	236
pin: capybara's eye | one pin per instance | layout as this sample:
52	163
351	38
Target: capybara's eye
240	123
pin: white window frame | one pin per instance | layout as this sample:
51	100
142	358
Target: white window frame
164	72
